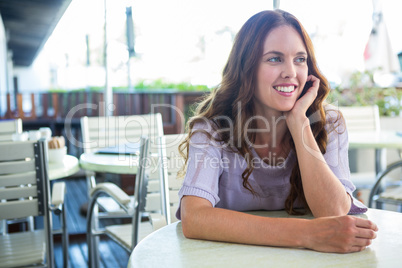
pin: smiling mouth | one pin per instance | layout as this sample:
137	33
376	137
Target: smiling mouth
285	89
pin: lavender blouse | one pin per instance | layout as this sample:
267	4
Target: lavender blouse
214	172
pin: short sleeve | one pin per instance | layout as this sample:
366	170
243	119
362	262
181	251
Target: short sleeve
204	166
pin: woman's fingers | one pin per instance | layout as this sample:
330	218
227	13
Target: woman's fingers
357	249
311	92
366	230
309	96
314	80
363	223
343	234
366	233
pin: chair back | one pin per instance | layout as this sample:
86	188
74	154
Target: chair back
361	118
102	132
140	191
171	163
121	132
24	191
157	185
9	127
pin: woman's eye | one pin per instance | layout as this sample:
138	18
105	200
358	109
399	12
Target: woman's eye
274	59
301	60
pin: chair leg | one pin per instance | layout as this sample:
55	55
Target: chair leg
30	223
91	182
379	205
3	227
96	251
90	250
93	239
65	239
93	252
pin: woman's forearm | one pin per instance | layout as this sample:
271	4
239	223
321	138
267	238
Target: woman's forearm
327	234
324	192
202	221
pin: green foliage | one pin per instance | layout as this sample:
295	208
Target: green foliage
160	84
362	91
144	85
91	89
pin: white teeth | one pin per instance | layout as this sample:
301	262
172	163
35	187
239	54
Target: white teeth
285	89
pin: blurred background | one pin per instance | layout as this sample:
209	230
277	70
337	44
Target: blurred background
189	41
135	45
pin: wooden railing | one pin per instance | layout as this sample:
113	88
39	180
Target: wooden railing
59	109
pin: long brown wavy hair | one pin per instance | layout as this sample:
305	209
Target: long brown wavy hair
236	91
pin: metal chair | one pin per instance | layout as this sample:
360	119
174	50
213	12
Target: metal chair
7	129
387	190
171	163
147	200
25	192
156	197
112	131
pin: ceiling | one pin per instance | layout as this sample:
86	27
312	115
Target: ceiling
28	25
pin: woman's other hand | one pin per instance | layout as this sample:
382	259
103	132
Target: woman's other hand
340	234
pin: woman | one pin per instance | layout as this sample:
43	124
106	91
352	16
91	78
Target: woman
263	140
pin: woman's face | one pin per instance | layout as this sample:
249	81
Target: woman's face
283	70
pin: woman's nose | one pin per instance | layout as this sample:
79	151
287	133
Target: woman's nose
289	70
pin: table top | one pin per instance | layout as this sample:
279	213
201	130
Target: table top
377	140
68	167
110	163
168	247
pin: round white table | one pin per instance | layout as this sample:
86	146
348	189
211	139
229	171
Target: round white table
110	163
375	140
168	247
380	141
59	170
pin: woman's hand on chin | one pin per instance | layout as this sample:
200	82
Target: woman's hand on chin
297	115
